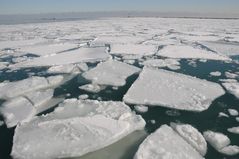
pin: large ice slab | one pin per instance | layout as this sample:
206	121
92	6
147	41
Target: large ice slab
75	128
137	49
69	57
47	49
113	73
189	52
192	136
13	89
158	87
165	143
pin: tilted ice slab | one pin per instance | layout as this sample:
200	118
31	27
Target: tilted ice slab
192	136
69	57
68	68
13	89
165	143
113	73
184	51
121	49
47	49
158	87
23	108
74	128
232	88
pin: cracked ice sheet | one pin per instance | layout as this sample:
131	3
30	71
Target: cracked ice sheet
113	73
129	49
156	87
189	52
165	143
75	128
69	57
47	49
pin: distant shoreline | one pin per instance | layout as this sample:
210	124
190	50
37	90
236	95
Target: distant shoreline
59	17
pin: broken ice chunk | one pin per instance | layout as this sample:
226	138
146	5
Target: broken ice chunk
111	73
233	112
75	128
156	87
69	68
170	63
216	73
230	150
232	88
17	110
234	130
216	139
165	143
83	96
141	108
93	88
230	75
192	136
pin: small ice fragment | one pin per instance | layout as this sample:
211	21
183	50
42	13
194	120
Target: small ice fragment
233	112
93	88
234	130
216	73
141	108
221	114
230	150
83	96
216	139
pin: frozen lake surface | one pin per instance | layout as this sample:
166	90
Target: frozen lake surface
120	88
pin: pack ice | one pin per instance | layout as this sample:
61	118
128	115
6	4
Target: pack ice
165	143
75	128
156	87
113	73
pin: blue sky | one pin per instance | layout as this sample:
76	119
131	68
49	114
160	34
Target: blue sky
55	6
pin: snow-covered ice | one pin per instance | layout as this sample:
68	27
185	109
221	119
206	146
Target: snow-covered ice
184	51
216	139
138	49
192	136
230	150
68	57
158	87
75	128
113	73
170	63
165	143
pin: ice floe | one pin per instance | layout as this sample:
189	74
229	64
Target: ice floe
68	57
165	143
158	87
230	150
216	139
113	73
83	96
141	108
93	88
234	130
192	136
233	112
184	51
230	75
232	88
137	49
216	73
170	63
75	128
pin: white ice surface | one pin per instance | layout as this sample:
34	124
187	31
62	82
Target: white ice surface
138	49
192	136
231	75
216	139
68	57
232	88
233	112
216	73
162	63
234	130
230	150
93	88
113	73
141	108
47	49
184	51
17	110
158	87
165	143
69	68
75	128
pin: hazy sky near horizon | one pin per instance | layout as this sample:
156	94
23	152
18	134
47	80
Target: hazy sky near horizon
56	6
